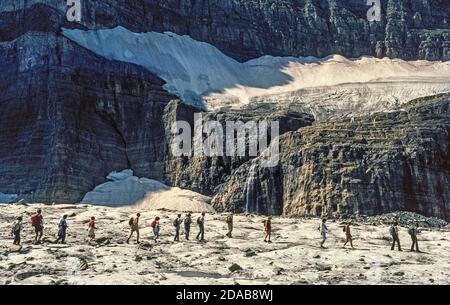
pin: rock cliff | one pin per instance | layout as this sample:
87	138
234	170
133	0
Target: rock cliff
375	164
409	29
70	117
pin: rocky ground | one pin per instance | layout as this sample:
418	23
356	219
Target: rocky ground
294	257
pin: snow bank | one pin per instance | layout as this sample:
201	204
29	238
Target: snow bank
126	189
8	198
200	74
176	199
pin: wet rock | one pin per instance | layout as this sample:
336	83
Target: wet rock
83	265
234	268
278	271
249	253
320	267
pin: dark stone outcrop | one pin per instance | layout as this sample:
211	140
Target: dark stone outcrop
409	29
203	174
376	164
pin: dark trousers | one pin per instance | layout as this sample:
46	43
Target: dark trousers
414	243
177	234
201	233
187	230
230	229
17	238
395	239
61	236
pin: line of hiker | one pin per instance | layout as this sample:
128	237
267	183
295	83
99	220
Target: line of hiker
37	222
178	221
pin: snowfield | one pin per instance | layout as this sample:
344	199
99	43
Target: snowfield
202	75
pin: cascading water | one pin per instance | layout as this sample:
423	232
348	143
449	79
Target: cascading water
251	201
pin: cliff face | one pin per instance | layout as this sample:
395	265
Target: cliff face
372	165
69	118
409	29
204	174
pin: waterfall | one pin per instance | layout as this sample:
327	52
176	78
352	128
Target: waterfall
250	205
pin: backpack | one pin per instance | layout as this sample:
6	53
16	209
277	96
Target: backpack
411	231
175	222
131	221
187	221
392	231
15	228
199	221
153	224
35	220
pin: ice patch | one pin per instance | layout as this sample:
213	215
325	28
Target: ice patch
8	198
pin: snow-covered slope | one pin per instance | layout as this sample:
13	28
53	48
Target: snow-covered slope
126	189
202	75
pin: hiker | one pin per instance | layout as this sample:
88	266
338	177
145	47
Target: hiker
393	230
16	229
62	228
348	235
37	221
91	229
267	229
201	227
134	227
155	227
177	224
187	225
323	232
230	225
413	231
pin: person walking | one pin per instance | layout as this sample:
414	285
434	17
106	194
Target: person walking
16	230
413	231
156	228
230	225
201	227
323	229
393	230
177	225
91	229
62	229
187	225
348	234
267	229
134	227
37	221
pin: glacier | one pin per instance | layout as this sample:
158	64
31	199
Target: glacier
201	75
126	189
